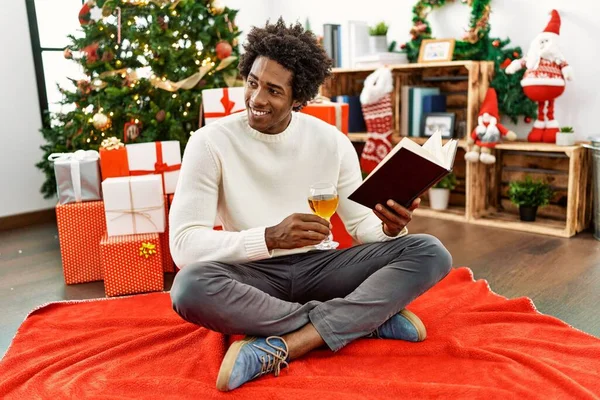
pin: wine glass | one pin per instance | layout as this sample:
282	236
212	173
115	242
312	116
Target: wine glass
323	201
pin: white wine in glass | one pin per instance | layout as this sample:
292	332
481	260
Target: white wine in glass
323	201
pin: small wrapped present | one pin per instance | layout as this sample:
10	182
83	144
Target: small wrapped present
77	176
161	158
131	264
134	204
218	103
336	114
167	260
113	159
80	229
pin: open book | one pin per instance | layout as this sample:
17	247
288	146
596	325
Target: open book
407	172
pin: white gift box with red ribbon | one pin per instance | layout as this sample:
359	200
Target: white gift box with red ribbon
134	204
219	103
160	158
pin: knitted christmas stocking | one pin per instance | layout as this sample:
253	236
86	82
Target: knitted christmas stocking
378	118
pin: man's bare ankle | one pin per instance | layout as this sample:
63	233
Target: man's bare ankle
303	341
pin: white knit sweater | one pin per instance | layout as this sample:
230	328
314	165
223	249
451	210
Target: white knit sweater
254	181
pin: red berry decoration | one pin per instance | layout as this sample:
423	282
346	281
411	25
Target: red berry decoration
527	120
516	54
496	43
223	50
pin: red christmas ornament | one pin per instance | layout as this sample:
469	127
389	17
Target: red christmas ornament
223	50
527	119
505	63
496	43
516	54
91	52
131	130
84	13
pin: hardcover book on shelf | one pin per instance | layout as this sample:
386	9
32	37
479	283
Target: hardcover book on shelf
407	172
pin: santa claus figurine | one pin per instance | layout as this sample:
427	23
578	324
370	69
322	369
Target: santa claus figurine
544	79
488	131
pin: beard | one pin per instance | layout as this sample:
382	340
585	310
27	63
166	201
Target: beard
550	52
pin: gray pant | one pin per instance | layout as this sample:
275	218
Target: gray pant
346	294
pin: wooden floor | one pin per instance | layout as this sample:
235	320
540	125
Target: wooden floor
562	276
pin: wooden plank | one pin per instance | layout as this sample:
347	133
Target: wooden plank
526	146
447	87
473	100
550	211
458	100
407	67
574	198
558	180
507	221
586	187
529	160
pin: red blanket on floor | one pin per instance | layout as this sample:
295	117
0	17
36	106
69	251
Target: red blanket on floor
479	345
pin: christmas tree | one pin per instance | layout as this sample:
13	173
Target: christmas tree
147	62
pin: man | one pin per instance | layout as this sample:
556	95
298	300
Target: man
261	276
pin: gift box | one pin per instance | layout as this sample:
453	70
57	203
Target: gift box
77	176
160	158
113	159
336	114
133	205
131	264
167	260
80	229
218	103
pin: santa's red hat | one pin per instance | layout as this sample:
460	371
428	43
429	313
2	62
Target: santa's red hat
554	24
490	104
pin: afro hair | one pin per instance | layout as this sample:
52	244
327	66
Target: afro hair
293	48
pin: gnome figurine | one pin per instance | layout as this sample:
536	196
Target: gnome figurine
488	131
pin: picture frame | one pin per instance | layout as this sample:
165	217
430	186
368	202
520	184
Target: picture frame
436	50
439	120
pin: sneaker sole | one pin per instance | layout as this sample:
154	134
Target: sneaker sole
416	321
228	362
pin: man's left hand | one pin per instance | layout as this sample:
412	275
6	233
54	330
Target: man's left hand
394	216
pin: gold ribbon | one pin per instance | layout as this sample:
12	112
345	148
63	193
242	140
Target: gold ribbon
147	249
112	143
140	211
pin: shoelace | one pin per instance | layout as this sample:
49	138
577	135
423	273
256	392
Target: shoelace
274	360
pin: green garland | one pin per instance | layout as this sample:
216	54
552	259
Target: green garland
477	45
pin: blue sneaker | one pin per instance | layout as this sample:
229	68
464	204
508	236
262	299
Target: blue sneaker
251	358
402	326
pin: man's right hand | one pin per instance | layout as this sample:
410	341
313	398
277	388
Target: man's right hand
297	230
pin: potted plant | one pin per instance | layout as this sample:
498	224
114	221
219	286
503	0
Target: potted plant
439	194
529	195
378	38
566	136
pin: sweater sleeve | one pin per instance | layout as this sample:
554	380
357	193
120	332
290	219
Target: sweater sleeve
194	210
360	221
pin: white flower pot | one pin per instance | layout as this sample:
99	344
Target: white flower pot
378	44
565	139
438	198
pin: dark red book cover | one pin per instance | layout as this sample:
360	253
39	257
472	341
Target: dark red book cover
403	178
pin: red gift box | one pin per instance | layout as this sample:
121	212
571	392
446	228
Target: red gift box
336	114
168	264
131	264
113	163
80	229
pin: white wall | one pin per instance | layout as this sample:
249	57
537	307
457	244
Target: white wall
20	120
519	20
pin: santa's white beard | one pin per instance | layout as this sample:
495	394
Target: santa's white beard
535	54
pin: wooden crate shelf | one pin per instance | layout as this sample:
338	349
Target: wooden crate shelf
566	169
481	197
